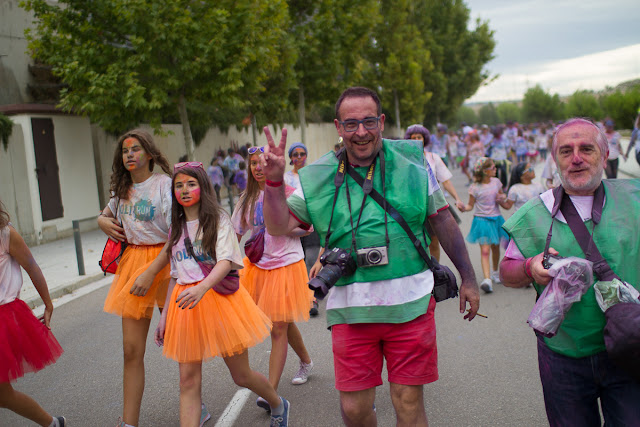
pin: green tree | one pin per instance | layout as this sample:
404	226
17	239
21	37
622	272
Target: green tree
622	107
488	115
129	61
459	52
467	115
399	61
329	41
583	103
508	112
538	105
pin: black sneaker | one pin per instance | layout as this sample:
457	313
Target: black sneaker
62	422
314	309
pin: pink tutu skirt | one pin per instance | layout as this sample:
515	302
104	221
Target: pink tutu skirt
26	345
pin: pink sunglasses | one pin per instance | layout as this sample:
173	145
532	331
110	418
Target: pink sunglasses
181	165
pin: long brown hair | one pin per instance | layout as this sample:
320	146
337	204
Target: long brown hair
249	196
121	178
209	215
4	216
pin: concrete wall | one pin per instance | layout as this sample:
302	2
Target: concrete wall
78	183
14	59
320	139
14	187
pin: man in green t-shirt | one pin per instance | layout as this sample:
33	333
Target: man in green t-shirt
381	312
575	370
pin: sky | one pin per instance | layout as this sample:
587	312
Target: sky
562	45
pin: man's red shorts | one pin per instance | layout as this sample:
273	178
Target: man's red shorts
409	349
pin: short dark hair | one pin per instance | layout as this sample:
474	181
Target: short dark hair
358	92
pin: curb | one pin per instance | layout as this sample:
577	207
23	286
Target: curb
62	290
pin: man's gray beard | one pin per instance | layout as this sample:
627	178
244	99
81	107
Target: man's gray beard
593	183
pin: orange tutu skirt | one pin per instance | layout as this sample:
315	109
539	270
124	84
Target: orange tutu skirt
219	325
135	260
282	293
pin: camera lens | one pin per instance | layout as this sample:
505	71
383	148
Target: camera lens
374	256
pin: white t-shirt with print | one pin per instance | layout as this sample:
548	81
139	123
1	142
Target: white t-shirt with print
146	215
279	251
522	193
10	274
186	270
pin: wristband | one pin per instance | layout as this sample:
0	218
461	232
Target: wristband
273	183
527	268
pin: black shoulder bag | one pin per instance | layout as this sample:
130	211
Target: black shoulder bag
445	285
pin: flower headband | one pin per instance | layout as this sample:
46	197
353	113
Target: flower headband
478	167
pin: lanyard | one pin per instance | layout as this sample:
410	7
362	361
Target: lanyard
367	187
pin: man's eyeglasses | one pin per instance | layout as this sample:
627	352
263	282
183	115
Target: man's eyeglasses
297	155
254	150
369	123
530	169
181	165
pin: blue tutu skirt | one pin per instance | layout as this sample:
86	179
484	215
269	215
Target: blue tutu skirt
487	230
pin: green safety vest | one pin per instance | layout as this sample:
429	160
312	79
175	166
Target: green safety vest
618	240
406	190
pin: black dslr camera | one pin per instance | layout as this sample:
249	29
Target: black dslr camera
548	260
335	264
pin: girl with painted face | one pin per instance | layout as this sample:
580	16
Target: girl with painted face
199	322
27	342
486	195
138	213
521	186
278	281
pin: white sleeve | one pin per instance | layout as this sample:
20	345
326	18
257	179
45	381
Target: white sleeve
442	172
227	247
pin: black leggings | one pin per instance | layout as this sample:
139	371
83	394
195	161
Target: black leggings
612	169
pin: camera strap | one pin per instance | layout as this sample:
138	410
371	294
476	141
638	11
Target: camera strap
338	180
563	203
380	200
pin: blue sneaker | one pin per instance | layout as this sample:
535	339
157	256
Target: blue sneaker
281	420
204	415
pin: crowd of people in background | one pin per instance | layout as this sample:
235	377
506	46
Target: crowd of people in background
186	245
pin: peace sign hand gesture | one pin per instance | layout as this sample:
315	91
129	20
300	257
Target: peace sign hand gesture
272	160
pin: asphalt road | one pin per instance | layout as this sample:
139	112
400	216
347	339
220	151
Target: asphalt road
488	369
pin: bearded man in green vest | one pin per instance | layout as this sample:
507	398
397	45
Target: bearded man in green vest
574	368
381	312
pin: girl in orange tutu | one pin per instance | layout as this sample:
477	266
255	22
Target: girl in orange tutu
27	342
207	313
278	280
138	213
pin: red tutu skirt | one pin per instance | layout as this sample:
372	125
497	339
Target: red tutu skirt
26	345
135	260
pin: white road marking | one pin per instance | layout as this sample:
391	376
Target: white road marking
233	409
84	290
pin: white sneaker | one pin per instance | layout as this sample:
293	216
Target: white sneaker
495	278
303	373
486	286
